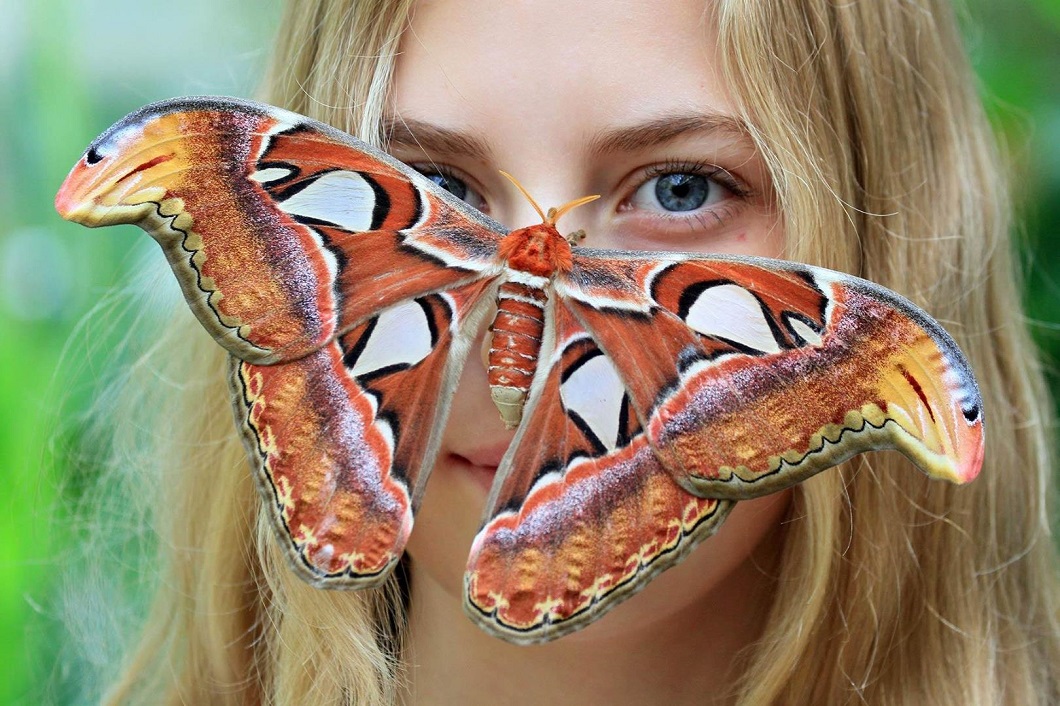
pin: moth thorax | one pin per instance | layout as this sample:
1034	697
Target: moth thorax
538	250
516	343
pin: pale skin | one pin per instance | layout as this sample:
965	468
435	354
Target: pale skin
577	99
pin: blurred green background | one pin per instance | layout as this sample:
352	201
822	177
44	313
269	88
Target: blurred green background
69	68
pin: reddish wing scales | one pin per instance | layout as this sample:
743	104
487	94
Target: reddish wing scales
666	300
345	437
350	290
758	375
261	248
411	390
583	515
776	371
324	467
291	242
391	238
355	491
581	476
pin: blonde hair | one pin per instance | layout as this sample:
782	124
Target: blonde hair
891	590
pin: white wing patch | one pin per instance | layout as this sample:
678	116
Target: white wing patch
387	431
264	176
731	312
598	298
803	331
401	336
326	254
284	121
595	392
343	198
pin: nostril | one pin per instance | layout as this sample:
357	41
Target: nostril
93	156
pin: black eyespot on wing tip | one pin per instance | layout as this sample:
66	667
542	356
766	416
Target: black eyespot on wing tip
971	414
92	156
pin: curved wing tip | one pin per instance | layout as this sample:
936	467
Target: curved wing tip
968	453
969	471
65	204
958	471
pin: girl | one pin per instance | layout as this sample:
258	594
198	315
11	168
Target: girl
843	135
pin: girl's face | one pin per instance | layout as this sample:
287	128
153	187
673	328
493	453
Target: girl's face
621	99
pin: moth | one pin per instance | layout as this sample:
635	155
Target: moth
651	390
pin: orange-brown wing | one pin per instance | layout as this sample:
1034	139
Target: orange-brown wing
582	514
759	373
347	287
282	231
345	437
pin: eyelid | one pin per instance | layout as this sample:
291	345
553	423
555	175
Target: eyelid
723	176
645	226
740	191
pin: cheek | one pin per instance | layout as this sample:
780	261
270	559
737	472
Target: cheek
728	561
446	525
753	230
763	236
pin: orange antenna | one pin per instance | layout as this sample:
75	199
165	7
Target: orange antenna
554	214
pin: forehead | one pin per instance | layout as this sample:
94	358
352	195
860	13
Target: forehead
466	60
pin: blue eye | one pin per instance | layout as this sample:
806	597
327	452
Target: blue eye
456	187
681	192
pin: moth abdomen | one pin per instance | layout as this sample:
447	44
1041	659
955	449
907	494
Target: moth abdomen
516	344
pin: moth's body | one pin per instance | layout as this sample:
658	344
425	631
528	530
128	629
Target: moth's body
533	257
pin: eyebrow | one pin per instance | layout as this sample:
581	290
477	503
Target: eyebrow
432	138
664	129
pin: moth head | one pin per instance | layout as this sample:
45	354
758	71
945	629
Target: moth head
553	215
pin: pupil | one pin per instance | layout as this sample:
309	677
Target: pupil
682	192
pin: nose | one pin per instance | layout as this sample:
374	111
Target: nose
517	211
550	189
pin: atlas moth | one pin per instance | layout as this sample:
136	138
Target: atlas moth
651	389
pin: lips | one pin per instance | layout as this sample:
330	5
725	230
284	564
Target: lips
480	462
484	456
